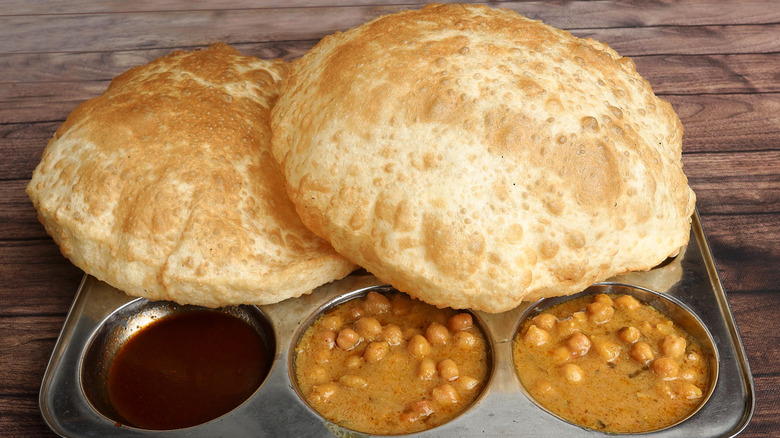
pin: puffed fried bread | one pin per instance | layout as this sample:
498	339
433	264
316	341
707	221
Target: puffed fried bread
475	158
164	186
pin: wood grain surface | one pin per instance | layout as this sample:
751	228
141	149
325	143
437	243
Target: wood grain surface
717	62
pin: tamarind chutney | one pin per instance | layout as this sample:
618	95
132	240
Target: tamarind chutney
186	369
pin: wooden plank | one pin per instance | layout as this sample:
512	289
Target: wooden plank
21	7
25	347
728	122
753	323
738	182
35	279
20	417
746	249
81	33
21	146
91	66
42	101
27	131
688	40
766	420
568	14
711	74
20	156
19	219
749	73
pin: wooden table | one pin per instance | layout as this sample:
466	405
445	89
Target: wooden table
716	61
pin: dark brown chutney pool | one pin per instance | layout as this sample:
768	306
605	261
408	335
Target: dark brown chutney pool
186	369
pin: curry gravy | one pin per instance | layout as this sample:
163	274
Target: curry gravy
388	364
611	363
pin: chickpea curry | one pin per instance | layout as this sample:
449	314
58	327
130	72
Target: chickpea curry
611	363
389	364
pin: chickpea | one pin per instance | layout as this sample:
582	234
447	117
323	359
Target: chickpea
318	374
445	394
437	334
408	417
603	298
419	409
424	407
376	303
545	321
464	340
665	329
572	373
626	302
536	337
332	322
353	362
665	390
566	327
561	355
460	321
376	351
347	339
401	305
642	353
392	334
426	370
579	317
607	350
369	328
448	370
356	313
467	383
352	381
321	393
326	338
688	374
689	391
665	368
321	356
578	344
673	346
544	387
693	357
599	312
418	347
629	334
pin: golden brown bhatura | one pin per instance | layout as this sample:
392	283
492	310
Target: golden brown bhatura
474	158
164	186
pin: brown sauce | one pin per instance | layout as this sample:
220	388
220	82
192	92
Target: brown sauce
186	369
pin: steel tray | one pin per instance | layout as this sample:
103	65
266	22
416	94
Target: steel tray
502	411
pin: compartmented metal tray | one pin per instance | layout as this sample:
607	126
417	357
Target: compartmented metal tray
503	410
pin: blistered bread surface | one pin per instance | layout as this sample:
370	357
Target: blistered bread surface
475	158
165	187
